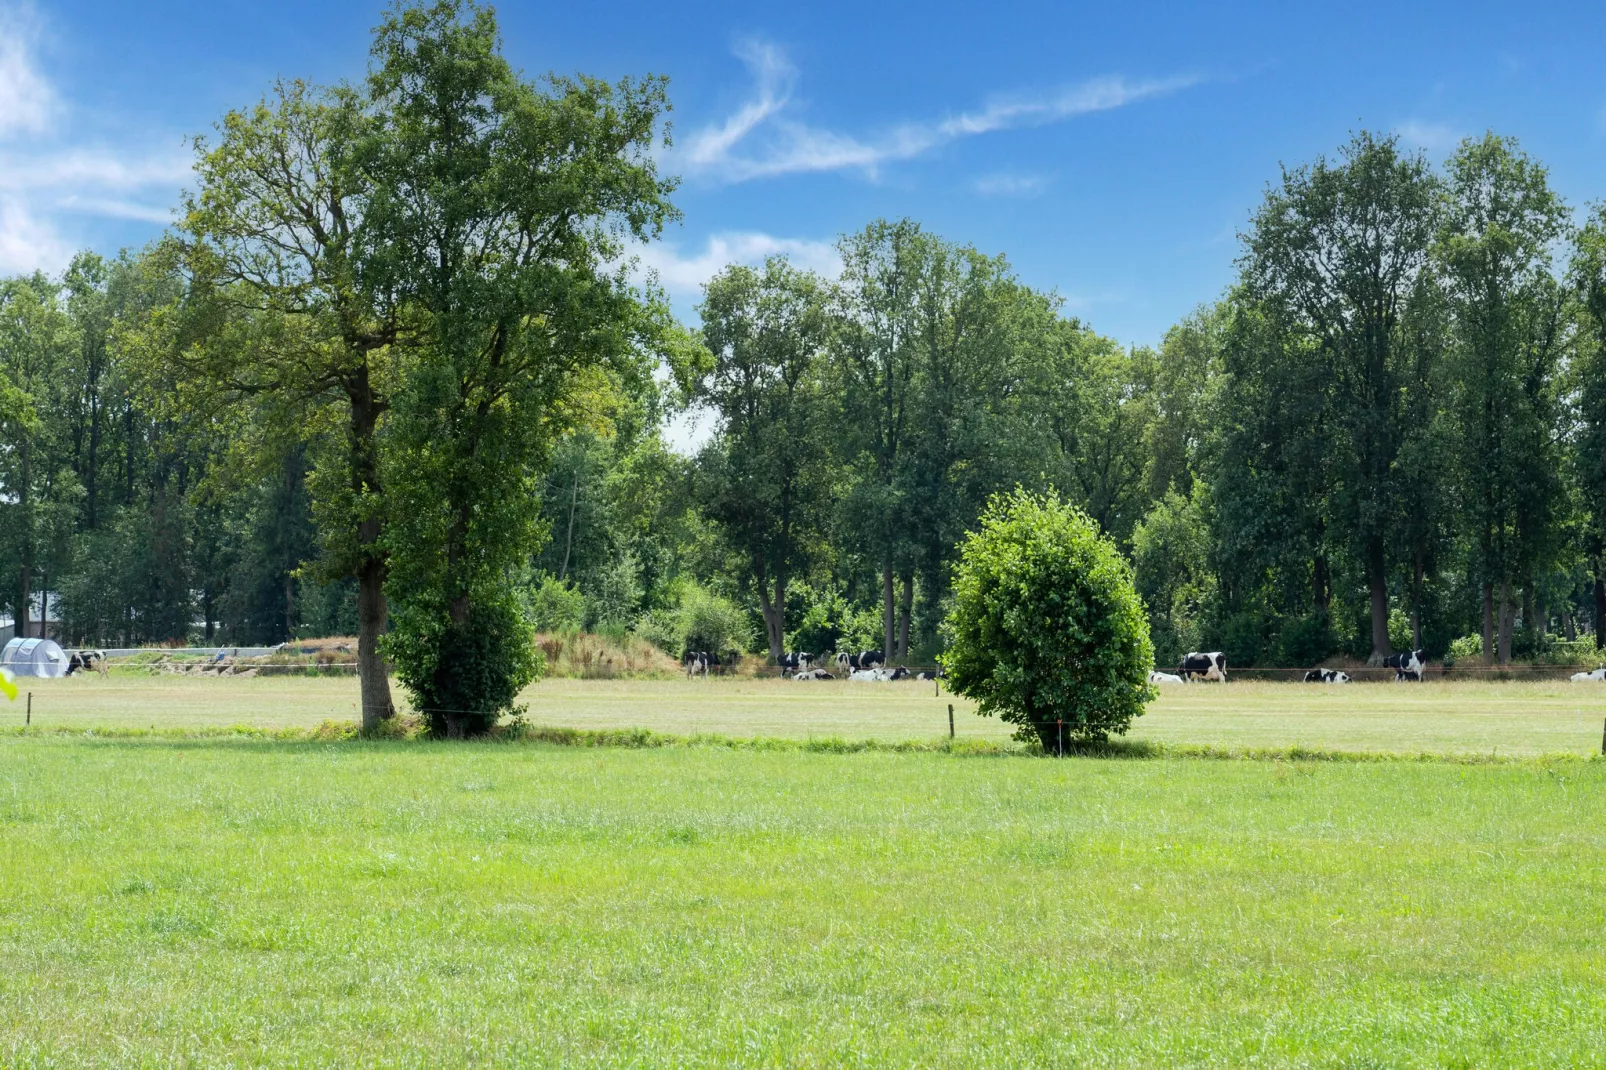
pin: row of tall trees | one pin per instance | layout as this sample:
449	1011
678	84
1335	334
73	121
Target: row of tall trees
1408	400
390	376
863	421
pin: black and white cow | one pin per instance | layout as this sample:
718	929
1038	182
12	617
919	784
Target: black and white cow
1207	666
1326	676
929	675
1156	677
1407	665
794	663
813	674
1598	676
87	660
847	661
699	662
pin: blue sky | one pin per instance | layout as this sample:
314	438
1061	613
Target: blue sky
1111	151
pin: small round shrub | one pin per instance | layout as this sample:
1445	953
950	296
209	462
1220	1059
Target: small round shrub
1046	626
464	675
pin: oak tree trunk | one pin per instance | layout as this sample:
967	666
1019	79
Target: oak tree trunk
888	609
373	613
24	501
1508	612
1377	580
1600	610
904	612
1488	624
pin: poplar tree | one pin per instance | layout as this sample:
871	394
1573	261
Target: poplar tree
1494	255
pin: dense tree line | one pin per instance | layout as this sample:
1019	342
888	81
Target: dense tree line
390	375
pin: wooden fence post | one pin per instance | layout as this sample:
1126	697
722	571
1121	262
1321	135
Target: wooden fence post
951	723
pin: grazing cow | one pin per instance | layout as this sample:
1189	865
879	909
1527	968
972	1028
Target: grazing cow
1598	676
1164	678
87	660
1208	666
1326	676
794	663
1407	665
697	662
813	674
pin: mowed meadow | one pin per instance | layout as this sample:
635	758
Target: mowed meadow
183	898
1455	717
216	901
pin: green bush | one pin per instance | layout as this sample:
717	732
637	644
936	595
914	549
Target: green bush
828	622
1399	630
551	605
613	596
1464	649
463	676
1046	626
1304	640
700	620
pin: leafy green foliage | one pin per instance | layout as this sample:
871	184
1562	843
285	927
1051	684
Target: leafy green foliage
1047	630
828	622
700	619
1171	563
464	675
761	478
551	605
497	209
1332	257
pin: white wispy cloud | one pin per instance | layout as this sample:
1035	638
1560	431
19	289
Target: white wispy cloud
762	139
28	104
1007	184
1433	137
47	177
683	274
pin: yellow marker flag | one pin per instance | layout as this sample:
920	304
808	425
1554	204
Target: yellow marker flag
7	688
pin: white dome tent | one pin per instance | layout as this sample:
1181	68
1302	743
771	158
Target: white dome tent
34	657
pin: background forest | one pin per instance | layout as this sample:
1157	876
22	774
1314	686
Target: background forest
1390	433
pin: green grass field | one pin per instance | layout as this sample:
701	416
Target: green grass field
228	900
1441	717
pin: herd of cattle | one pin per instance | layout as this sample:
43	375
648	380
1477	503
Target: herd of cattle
1208	666
1409	665
864	665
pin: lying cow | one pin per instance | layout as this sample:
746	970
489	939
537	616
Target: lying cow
793	663
929	675
1164	678
1598	676
1326	676
1407	665
879	674
1208	666
813	674
87	661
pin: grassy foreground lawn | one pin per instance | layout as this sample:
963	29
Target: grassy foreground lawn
1441	717
231	901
